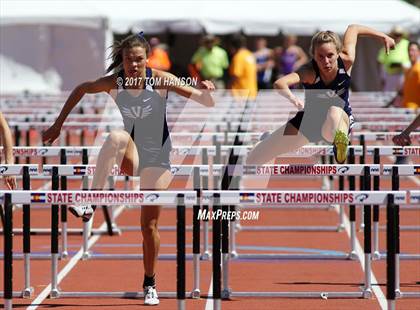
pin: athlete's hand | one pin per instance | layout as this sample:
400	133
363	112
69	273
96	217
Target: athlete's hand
389	44
402	139
51	134
207	85
297	102
10	181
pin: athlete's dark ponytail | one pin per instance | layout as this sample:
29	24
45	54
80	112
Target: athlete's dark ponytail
119	46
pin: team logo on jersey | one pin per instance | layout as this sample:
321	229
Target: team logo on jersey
137	112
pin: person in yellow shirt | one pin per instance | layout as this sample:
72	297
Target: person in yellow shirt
392	65
243	69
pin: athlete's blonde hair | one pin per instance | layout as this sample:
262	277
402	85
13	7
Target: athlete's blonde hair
322	37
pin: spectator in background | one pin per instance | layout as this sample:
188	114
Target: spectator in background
159	58
243	69
289	57
265	63
6	142
410	91
391	66
408	95
210	61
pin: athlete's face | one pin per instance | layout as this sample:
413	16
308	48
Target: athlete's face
326	56
134	61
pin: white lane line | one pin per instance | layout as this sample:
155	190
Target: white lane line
69	266
361	255
209	302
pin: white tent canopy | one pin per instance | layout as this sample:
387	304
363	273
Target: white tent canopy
70	37
221	17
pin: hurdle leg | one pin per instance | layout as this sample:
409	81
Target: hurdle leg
206	252
87	229
353	253
27	290
341	207
367	237
225	254
180	253
216	256
8	253
195	293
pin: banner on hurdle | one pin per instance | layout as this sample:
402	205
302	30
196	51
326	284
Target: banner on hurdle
270	170
394	150
403	170
70	170
265	197
18	169
307	150
415	197
100	197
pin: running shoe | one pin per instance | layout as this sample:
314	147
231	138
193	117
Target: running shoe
340	145
150	296
85	212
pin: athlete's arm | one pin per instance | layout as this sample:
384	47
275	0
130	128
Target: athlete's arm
170	82
350	41
404	137
6	138
104	84
305	75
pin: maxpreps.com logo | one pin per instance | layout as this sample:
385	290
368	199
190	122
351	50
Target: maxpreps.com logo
3	169
175	169
42	152
361	197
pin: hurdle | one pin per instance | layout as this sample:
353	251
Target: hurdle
56	198
260	198
26	171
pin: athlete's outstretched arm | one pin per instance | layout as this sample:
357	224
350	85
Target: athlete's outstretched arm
305	75
404	137
6	138
350	41
169	81
104	84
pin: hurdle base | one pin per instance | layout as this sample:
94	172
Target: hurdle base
403	256
15	294
225	294
129	295
234	254
270	256
353	256
376	255
398	293
206	256
55	293
409	295
195	294
367	293
28	292
64	255
322	295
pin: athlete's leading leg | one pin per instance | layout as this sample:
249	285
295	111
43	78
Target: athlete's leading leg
283	140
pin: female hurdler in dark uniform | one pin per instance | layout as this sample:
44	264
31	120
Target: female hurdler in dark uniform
327	113
143	147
